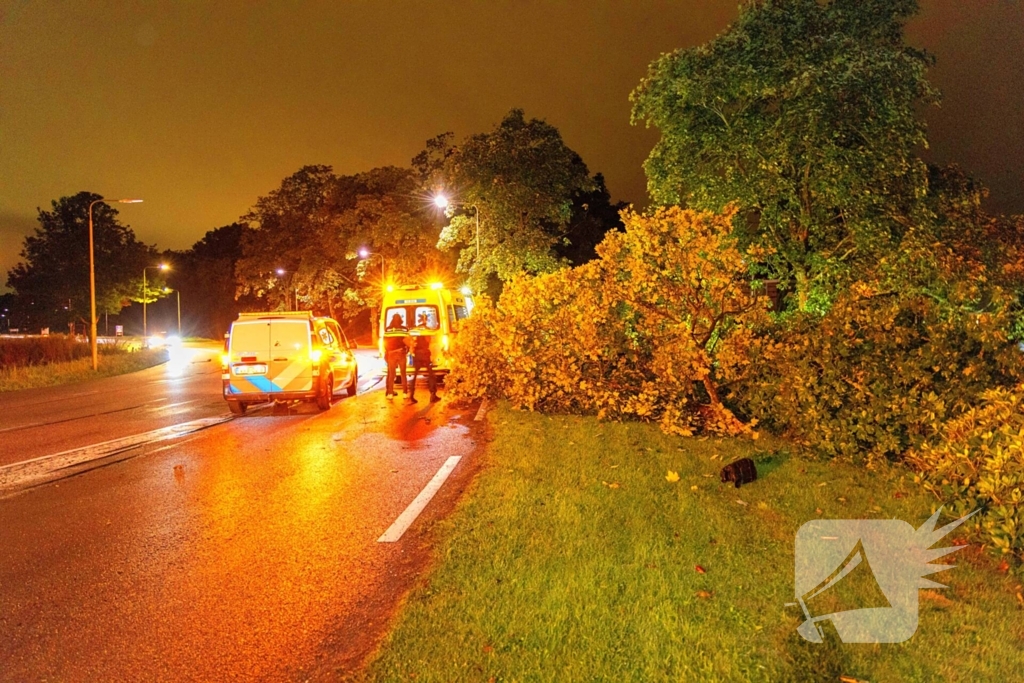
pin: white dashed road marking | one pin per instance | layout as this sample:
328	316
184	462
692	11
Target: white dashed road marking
410	514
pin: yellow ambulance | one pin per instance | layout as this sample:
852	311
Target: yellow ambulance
425	310
286	356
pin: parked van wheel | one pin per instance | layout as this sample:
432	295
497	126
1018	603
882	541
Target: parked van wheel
323	399
237	407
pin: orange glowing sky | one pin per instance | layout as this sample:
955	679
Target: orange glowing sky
201	107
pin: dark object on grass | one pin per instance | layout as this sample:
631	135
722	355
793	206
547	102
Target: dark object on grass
739	472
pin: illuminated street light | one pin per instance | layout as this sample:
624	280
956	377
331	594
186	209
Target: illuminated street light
281	272
365	254
443	202
92	283
145	296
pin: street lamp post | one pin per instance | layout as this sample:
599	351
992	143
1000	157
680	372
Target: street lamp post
145	296
177	293
443	202
92	282
365	254
295	290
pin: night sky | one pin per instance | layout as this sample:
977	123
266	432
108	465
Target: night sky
199	108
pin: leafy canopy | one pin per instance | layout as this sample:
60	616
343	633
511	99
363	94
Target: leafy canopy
522	179
313	227
806	114
55	266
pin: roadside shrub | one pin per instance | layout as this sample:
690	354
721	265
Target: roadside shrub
16	353
977	461
647	331
878	374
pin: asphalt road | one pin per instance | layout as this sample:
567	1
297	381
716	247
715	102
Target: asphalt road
243	550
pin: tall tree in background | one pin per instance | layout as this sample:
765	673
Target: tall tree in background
294	230
522	179
593	216
806	113
313	227
205	278
52	282
393	220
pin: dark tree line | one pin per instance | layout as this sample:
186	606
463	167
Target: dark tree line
329	242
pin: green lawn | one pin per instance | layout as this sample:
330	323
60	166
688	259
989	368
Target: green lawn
572	558
53	374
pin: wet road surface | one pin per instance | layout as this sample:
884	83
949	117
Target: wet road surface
244	551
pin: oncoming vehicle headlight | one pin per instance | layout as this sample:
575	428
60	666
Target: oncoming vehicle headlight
444	342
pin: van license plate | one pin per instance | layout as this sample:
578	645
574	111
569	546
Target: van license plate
250	369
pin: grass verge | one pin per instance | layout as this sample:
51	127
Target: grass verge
52	374
572	558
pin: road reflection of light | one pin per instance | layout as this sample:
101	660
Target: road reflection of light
317	478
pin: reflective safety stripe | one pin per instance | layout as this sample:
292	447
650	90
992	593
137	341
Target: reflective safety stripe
296	376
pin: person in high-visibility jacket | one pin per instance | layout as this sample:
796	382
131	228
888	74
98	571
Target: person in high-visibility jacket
421	361
395	348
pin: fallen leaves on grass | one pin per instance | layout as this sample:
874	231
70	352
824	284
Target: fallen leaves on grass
938	598
672	477
699	569
741	502
694	487
704	594
612	485
1003	567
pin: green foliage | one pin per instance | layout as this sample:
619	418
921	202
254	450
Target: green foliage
313	226
878	374
522	179
977	461
646	331
806	113
55	269
291	229
114	360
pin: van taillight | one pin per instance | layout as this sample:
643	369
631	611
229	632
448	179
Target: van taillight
248	359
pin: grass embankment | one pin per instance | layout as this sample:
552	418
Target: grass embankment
573	559
114	362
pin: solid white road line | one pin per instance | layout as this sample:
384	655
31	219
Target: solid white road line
482	411
410	514
17	475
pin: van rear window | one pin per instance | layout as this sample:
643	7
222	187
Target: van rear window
251	338
288	336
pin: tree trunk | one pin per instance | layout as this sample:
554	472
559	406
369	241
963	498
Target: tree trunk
712	390
802	287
